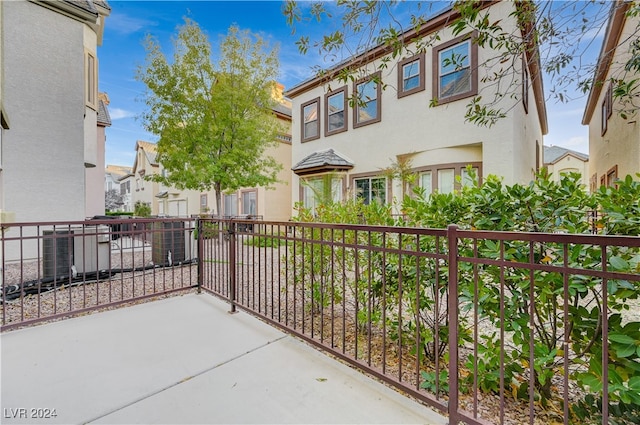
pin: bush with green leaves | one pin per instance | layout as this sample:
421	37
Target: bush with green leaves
544	205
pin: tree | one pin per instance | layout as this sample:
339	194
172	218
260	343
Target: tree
557	34
214	120
112	200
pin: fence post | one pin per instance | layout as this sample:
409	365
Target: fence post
452	238
232	265
200	244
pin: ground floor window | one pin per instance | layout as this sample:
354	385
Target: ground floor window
371	189
231	204
321	190
249	206
448	178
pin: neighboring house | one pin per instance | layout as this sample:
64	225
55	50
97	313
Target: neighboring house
113	180
126	183
269	204
275	203
163	200
614	140
347	145
560	161
52	118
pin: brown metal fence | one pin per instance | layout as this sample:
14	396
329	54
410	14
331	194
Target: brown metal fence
487	327
526	313
57	269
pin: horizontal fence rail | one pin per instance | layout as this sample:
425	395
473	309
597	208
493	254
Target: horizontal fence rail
535	320
56	269
487	327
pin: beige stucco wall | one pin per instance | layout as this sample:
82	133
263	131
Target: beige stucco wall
620	145
569	163
275	204
439	135
94	178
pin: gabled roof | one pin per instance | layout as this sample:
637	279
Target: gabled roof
553	154
117	170
327	160
150	151
617	18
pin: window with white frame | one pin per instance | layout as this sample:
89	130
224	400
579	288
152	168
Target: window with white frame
317	191
426	182
411	75
468	178
335	104
368	107
371	189
311	120
455	64
446	178
204	203
231	204
248	203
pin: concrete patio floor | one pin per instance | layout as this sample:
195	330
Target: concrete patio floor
184	360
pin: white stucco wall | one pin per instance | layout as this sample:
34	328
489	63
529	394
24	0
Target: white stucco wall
43	153
439	135
620	145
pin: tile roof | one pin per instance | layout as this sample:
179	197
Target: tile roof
103	113
320	160
553	154
150	150
118	170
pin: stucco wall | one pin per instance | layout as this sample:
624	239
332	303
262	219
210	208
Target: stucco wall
44	150
620	144
437	134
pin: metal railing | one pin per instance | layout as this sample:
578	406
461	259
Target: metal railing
394	301
58	269
487	327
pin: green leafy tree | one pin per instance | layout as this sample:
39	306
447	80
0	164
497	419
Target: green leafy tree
554	34
214	119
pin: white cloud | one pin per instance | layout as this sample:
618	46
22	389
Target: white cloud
125	24
117	113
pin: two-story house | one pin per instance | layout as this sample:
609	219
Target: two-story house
272	203
50	132
559	161
269	203
345	135
163	200
614	135
113	181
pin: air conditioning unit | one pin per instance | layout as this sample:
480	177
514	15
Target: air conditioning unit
86	248
172	242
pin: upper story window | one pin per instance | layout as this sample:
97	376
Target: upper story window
411	76
456	66
335	111
606	109
311	120
371	189
91	79
368	107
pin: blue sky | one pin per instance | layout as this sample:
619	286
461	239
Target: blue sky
122	52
